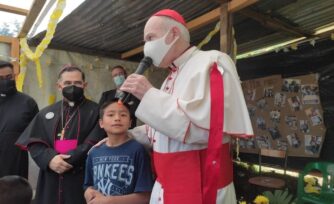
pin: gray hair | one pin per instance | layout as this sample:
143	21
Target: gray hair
169	23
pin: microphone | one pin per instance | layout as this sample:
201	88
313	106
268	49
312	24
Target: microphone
145	63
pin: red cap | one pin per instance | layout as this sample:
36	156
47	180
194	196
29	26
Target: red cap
171	14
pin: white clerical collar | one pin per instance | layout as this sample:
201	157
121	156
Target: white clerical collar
182	59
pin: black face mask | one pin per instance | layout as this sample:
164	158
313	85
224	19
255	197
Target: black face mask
73	93
7	87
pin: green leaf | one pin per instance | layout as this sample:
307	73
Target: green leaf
279	197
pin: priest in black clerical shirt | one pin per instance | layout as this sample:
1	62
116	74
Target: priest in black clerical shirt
119	75
16	112
59	138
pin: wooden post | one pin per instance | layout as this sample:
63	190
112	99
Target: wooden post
226	35
35	9
15	53
14	50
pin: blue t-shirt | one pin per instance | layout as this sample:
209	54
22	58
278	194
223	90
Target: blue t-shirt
119	170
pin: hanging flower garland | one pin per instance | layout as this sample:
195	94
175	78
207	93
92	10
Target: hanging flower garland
35	56
23	69
209	36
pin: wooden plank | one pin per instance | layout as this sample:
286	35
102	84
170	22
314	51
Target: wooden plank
132	52
201	21
12	9
237	5
273	153
14	50
226	36
271	22
5	39
36	8
15	53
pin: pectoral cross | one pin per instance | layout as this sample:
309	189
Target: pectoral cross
61	134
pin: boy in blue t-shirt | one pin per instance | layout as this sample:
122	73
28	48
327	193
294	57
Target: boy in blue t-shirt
118	171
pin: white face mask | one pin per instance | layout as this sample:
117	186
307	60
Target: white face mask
157	49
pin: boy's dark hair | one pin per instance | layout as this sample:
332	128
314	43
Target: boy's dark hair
120	67
71	68
15	189
107	103
4	64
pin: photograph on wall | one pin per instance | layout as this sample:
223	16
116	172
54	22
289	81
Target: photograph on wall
312	144
280	99
263	141
251	110
261	103
314	115
291	85
274	133
291	122
275	116
310	94
268	92
250	143
294	103
242	143
261	123
304	126
283	111
282	145
250	95
294	140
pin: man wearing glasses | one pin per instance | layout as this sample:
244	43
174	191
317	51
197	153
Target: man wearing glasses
58	140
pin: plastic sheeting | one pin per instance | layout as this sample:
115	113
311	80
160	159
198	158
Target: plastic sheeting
96	69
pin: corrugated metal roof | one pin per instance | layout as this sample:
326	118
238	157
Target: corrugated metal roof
116	26
309	14
306	15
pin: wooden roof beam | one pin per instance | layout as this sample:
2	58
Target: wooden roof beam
5	39
274	23
12	9
36	8
211	16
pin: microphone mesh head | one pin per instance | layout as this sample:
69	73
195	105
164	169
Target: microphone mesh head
147	61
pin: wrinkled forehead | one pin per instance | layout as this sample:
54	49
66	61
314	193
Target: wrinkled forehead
155	25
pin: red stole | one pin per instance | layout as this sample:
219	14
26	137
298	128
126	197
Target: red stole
193	177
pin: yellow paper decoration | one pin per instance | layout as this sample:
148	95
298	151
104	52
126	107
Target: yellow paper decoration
52	99
23	69
39	72
294	46
209	36
35	56
214	32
